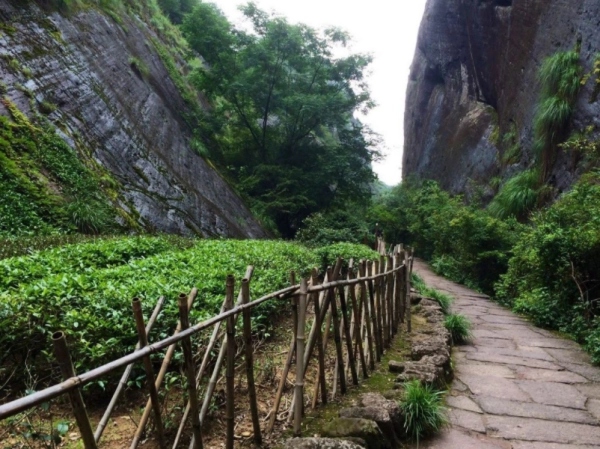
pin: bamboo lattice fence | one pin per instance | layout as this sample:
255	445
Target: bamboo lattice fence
363	309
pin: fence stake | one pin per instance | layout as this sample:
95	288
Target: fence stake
357	326
409	262
61	351
161	375
389	290
123	381
188	356
321	351
213	380
403	290
300	360
250	362
374	313
336	336
368	319
139	323
325	342
346	317
230	372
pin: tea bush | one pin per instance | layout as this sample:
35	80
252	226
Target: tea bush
86	290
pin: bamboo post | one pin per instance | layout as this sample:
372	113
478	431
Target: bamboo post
139	323
388	295
397	287
230	372
250	362
325	341
408	304
336	336
125	377
346	328
368	318
161	375
188	356
319	338
61	351
357	326
372	303
403	286
385	318
204	365
300	360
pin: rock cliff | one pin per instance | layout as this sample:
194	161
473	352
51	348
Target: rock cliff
475	78
119	108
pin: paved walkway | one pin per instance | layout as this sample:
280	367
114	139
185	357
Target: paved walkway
516	386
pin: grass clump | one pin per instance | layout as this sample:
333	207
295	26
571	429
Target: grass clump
518	196
423	412
459	327
444	300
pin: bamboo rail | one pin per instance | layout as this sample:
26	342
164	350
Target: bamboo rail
368	321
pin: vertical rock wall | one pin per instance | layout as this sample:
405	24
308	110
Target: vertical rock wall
129	123
475	69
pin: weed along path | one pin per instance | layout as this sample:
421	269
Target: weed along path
515	386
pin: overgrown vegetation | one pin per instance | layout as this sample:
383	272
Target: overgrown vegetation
459	327
45	187
86	289
422	410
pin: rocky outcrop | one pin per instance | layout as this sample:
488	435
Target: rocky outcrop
119	107
474	78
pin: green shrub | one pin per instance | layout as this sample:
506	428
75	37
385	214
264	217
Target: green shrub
422	409
86	290
329	254
321	229
459	327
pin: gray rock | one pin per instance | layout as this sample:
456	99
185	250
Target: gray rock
320	443
359	428
378	414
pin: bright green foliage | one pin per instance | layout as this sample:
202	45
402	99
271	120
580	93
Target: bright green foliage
423	411
176	9
459	327
511	145
518	196
338	226
463	242
139	67
33	162
553	274
22	246
283	110
329	254
86	290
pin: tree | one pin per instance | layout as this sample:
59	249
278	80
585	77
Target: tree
287	105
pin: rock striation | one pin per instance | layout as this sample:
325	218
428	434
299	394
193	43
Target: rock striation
128	121
474	78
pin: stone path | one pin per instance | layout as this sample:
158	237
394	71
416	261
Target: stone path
516	386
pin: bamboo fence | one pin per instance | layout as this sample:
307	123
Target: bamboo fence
364	312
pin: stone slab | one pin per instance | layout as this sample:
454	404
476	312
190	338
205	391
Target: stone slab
591	390
511	360
533	445
552	393
589	372
548	343
493	343
570	356
463	403
593	406
542	431
520	351
481	369
565	377
467	420
497	406
497	387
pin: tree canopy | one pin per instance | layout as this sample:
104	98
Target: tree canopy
283	111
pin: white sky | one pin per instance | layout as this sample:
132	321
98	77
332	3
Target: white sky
385	28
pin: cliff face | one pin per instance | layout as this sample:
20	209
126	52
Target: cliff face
126	120
474	78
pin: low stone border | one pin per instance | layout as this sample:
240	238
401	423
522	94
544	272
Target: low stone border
377	422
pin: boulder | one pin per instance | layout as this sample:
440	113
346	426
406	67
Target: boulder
378	414
435	345
425	371
321	443
358	428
